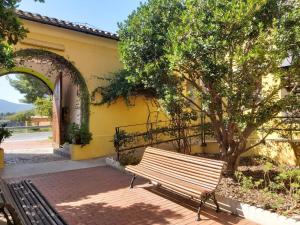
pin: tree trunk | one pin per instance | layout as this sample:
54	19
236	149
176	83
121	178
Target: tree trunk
232	164
231	154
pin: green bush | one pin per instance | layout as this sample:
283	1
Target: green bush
4	133
79	134
283	188
128	158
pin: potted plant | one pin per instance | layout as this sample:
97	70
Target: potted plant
74	133
4	133
79	134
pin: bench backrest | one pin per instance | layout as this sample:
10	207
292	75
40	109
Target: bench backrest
193	169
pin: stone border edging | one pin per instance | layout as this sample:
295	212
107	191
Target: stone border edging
235	207
253	213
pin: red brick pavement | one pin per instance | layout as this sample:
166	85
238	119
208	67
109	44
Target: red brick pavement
100	195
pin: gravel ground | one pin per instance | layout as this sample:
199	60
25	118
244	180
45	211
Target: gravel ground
12	159
22	152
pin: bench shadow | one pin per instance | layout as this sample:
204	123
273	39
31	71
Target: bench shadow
207	214
82	182
102	213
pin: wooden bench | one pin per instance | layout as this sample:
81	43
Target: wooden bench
193	176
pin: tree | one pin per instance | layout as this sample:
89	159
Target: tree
228	52
11	31
21	117
43	106
31	87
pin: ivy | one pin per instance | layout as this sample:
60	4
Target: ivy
120	87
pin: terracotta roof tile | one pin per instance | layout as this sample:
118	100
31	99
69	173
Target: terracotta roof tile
65	24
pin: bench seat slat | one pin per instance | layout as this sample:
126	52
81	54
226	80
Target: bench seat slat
202	181
187	158
195	172
181	178
193	189
184	166
190	161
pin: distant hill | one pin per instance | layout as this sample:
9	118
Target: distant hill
11	107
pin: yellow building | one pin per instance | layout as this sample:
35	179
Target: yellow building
76	55
70	58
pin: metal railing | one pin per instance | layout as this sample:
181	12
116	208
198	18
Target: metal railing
27	127
148	134
131	137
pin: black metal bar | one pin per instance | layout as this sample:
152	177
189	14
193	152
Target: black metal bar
140	124
203	132
203	199
52	211
17	199
199	210
132	180
165	130
157	143
117	145
216	202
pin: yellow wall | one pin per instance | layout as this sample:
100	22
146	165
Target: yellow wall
104	119
282	152
1	158
92	56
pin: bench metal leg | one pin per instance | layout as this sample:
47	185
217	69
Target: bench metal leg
203	199
132	180
216	203
199	211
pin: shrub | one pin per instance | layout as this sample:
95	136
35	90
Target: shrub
4	133
283	189
79	134
129	158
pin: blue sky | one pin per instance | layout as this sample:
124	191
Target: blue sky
102	14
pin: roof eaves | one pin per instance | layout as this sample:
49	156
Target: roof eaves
66	25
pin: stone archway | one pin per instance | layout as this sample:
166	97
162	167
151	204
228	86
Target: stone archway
48	66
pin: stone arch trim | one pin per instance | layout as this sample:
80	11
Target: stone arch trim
57	63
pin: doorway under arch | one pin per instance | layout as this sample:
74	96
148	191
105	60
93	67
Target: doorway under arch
70	92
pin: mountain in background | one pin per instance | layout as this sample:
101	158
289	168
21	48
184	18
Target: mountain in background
11	107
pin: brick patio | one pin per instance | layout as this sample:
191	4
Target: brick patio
100	195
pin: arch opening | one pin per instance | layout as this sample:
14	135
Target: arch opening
27	111
68	88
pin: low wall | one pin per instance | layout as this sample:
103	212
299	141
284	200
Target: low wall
281	151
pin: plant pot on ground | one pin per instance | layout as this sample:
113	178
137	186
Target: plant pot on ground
79	134
4	133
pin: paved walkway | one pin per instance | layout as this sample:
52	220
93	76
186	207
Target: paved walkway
24	170
100	195
13	146
29	136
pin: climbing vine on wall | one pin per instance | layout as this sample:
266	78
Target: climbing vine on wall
120	87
